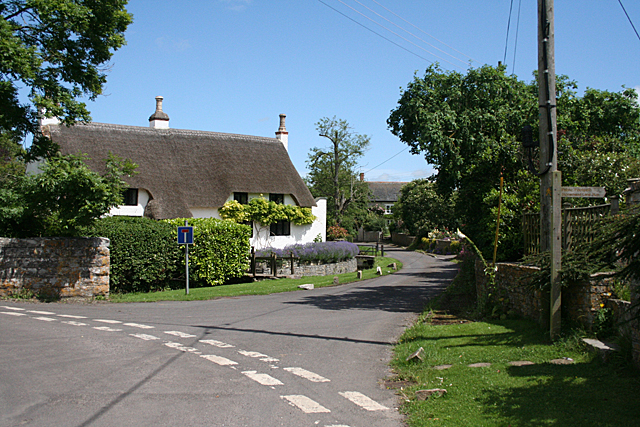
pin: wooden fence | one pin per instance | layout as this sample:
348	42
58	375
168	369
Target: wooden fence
578	227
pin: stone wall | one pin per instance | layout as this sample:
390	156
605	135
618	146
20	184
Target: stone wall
284	268
402	239
55	267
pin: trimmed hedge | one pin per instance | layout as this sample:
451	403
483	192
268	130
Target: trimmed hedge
220	251
144	253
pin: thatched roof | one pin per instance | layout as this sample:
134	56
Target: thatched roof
184	169
385	191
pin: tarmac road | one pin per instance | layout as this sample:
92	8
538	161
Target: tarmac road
307	358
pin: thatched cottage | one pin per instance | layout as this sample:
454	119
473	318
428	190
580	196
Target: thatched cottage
188	173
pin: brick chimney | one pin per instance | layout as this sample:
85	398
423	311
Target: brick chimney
282	133
159	119
361	176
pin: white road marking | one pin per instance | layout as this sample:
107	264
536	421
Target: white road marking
107	321
138	325
219	344
11	313
74	323
145	337
12	308
45	319
363	401
180	347
263	379
222	361
107	329
71	316
256	355
305	404
307	375
179	334
40	312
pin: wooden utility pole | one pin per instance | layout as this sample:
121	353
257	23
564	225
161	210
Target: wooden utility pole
550	177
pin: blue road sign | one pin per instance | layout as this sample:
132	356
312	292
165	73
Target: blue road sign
185	235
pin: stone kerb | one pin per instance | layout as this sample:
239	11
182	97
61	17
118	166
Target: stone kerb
55	267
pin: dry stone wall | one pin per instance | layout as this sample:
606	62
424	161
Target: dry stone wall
55	267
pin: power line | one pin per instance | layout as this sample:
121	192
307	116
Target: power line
410	33
374	32
515	46
631	22
419	29
395	155
398	35
506	43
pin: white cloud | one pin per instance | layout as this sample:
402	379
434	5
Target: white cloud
176	45
236	5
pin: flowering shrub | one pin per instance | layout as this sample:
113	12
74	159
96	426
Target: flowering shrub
319	252
336	232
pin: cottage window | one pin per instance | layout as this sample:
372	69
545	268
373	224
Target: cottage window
281	228
388	209
130	197
276	197
242	198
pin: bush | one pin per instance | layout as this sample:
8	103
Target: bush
322	252
220	251
144	253
336	232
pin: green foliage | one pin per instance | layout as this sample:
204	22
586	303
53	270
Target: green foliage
64	199
468	126
144	253
58	50
220	251
266	212
420	207
332	173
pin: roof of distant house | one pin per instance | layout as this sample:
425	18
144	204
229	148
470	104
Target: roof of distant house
183	169
382	191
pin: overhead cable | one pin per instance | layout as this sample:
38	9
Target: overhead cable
376	33
631	22
506	43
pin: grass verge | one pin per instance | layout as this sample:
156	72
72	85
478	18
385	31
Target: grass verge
584	393
263	287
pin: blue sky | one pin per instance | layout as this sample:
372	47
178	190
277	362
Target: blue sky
235	65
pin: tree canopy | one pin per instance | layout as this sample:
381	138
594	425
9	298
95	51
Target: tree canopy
58	51
332	172
469	126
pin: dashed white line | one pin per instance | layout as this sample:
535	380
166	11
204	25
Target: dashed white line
256	355
12	308
263	379
71	316
363	401
308	375
74	323
181	347
305	404
222	361
138	325
215	343
107	329
45	319
179	334
107	321
145	337
11	313
41	312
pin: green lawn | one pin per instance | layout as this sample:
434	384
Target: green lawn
263	287
585	393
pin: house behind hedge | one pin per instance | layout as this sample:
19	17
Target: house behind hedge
191	174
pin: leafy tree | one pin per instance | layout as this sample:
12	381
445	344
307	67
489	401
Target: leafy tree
65	198
332	172
421	208
58	50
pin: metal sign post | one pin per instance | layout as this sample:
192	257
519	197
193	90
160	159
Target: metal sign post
185	237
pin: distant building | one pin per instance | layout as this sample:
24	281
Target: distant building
384	194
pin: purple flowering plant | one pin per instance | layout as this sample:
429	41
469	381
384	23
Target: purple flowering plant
318	252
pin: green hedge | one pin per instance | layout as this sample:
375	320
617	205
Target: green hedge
220	251
144	253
